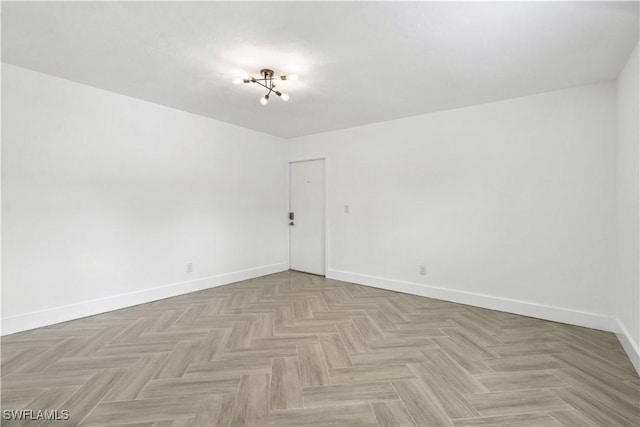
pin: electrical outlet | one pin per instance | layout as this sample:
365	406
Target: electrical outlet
189	268
423	269
346	208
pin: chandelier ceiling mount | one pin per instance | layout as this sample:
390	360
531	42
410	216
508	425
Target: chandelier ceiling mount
268	81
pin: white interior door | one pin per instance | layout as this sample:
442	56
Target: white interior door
306	229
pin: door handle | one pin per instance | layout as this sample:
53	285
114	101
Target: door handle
291	223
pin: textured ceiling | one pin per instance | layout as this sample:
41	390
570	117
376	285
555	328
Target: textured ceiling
358	62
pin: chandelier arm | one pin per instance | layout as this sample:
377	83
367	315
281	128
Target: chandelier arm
263	85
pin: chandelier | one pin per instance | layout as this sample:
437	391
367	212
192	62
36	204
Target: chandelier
268	81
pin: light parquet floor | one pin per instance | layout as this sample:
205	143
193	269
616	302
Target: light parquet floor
292	349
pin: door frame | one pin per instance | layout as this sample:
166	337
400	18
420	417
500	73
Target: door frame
326	208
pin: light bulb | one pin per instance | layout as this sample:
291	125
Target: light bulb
284	97
237	81
264	100
292	77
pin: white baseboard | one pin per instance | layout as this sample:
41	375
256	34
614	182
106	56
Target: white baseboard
65	313
630	346
555	314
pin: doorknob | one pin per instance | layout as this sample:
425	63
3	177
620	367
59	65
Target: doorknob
291	223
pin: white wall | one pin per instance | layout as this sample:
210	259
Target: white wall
628	258
510	205
106	198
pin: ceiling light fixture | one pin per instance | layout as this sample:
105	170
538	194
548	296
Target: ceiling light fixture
268	82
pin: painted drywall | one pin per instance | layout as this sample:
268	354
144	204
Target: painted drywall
509	205
627	293
106	198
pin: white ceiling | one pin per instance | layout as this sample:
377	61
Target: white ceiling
358	62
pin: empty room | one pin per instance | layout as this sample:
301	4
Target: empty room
394	214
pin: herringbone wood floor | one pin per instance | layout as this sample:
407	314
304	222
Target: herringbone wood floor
293	349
